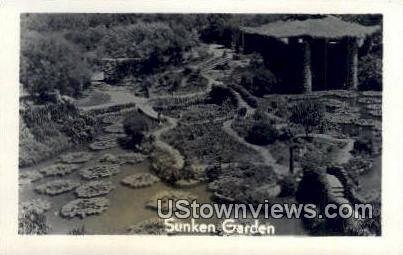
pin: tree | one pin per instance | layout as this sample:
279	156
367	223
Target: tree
370	72
135	126
50	62
309	114
153	43
258	79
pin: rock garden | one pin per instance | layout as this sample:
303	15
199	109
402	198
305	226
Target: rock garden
76	157
59	169
84	207
56	187
94	189
99	171
139	180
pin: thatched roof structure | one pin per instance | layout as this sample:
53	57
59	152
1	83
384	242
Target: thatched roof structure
329	27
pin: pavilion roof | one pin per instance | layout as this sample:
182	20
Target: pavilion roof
328	27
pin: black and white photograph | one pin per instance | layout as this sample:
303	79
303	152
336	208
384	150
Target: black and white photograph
200	124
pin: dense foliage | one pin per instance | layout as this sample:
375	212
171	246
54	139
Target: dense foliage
262	133
135	126
308	114
50	62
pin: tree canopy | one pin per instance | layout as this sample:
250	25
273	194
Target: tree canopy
51	62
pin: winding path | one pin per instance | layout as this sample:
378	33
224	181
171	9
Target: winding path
121	95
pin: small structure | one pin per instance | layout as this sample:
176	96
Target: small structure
311	54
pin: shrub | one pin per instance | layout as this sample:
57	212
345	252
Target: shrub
289	186
370	72
364	144
309	114
167	163
135	126
220	94
262	133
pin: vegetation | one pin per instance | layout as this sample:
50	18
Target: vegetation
135	125
262	133
258	79
45	66
308	114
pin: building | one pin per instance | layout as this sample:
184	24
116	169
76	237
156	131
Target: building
311	54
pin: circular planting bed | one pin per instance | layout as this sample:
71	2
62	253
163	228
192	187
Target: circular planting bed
84	207
56	187
164	196
99	171
94	189
37	205
140	180
29	176
59	169
76	157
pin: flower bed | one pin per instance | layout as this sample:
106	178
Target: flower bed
59	169
56	187
370	100
371	93
94	189
99	171
140	180
84	207
245	183
164	196
76	157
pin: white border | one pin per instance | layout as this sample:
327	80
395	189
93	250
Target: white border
392	209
